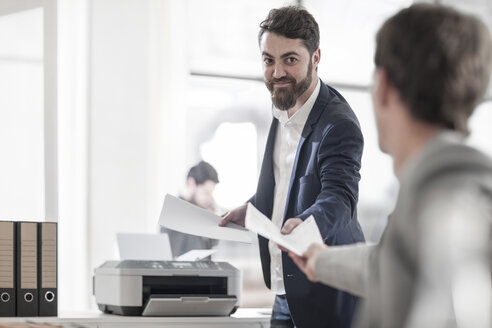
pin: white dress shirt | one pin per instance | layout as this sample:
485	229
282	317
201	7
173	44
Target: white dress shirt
289	132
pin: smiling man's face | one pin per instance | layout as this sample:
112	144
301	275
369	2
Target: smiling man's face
287	69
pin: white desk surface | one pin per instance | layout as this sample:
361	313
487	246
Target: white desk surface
243	318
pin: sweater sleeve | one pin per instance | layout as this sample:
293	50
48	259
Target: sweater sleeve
345	267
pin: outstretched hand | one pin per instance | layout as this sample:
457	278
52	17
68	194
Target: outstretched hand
236	216
307	261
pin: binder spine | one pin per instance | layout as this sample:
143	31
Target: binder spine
47	251
27	269
7	269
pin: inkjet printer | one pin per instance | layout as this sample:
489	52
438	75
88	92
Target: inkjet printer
167	288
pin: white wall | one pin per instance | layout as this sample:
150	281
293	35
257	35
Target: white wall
72	146
22	115
118	124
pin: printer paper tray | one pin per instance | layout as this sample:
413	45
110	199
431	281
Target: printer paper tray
189	305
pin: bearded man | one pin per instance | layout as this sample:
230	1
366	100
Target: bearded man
310	167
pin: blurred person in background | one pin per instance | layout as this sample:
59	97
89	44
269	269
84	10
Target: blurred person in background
310	167
432	267
200	185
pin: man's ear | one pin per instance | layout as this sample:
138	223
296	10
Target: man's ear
382	87
191	183
315	58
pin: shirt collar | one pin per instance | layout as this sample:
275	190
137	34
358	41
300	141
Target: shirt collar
301	115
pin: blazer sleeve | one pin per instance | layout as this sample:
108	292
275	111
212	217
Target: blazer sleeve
339	161
345	267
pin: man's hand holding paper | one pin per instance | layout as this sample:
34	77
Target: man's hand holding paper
236	216
182	216
297	241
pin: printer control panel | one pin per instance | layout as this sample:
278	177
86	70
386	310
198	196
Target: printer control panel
200	265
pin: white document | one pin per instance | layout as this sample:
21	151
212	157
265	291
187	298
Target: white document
297	241
141	246
179	215
195	255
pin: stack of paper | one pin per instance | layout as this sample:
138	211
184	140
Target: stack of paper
182	216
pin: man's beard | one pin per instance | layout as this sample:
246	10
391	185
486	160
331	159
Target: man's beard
285	98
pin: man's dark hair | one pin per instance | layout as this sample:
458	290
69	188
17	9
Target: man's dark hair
439	60
294	23
203	172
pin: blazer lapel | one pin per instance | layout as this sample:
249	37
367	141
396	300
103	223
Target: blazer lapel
313	118
266	183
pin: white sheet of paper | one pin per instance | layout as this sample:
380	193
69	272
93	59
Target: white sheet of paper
141	246
195	254
179	215
297	241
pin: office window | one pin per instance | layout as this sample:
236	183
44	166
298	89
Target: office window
227	123
348	29
222	35
378	185
233	152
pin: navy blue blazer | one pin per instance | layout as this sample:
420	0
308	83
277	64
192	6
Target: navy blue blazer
324	183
